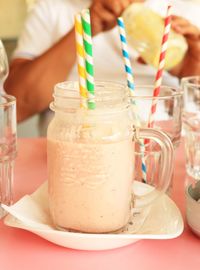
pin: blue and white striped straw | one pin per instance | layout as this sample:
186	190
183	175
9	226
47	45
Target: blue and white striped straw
125	53
131	84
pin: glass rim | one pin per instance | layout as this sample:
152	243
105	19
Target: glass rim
176	92
60	85
69	90
185	80
9	100
72	88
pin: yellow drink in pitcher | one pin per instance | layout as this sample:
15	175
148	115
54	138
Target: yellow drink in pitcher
144	29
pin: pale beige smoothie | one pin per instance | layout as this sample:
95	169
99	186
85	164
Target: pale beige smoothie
90	184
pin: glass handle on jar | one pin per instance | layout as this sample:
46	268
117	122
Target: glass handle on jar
165	168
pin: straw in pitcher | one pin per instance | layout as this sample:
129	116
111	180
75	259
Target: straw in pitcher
131	84
87	42
125	53
81	61
158	79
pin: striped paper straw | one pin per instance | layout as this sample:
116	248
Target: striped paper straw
131	85
158	79
81	60
87	42
127	64
125	53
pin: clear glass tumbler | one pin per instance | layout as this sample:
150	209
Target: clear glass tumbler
191	124
169	106
167	118
8	149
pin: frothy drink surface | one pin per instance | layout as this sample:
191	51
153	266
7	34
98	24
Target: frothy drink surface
90	184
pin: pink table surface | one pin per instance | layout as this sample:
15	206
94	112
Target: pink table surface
20	249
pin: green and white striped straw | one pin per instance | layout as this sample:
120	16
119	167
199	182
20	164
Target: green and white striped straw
87	42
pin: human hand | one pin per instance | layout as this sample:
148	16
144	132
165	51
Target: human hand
104	13
191	33
191	63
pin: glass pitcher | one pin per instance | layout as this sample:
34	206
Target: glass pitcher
91	160
144	29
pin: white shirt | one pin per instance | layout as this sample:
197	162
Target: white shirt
50	20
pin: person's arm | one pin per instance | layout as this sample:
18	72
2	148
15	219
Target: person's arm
190	65
32	81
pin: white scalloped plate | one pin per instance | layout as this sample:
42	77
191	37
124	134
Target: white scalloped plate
31	213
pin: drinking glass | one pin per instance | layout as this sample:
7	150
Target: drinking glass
191	124
90	158
7	148
168	115
167	118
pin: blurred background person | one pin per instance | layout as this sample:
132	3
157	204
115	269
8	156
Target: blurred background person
46	52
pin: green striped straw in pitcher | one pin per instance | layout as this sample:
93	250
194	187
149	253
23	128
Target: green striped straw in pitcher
87	42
